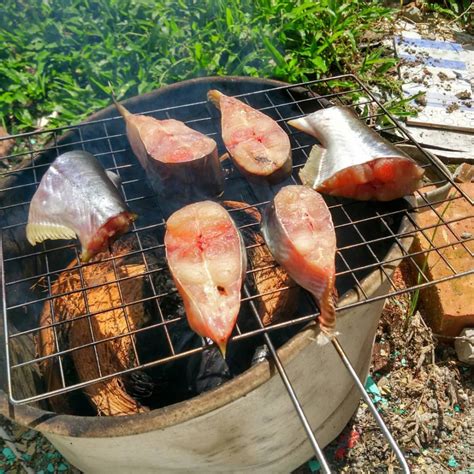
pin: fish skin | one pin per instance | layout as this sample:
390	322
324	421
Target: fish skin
77	197
298	229
182	164
207	259
354	161
260	149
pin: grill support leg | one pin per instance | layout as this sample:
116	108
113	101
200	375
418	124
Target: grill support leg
372	408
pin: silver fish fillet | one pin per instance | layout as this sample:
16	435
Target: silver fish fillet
182	164
77	196
298	229
354	161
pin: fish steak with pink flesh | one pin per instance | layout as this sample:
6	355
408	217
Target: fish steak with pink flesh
207	259
76	196
182	164
257	145
298	229
353	160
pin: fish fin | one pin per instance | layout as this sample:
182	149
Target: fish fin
38	232
122	110
115	178
214	96
311	171
303	124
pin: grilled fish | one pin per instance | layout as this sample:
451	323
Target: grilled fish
207	259
354	161
182	165
298	229
77	196
258	146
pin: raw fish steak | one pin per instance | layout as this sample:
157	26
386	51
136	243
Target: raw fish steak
258	146
298	229
207	259
354	161
77	196
182	165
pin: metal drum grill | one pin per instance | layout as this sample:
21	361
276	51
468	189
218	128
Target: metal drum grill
366	233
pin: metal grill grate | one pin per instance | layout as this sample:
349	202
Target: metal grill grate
28	274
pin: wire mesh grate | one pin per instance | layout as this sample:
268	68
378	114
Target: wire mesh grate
366	234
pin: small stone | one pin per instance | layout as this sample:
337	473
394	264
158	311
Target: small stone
465	346
466	235
464	95
421	100
464	173
414	14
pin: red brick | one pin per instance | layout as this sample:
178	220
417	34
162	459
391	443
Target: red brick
448	306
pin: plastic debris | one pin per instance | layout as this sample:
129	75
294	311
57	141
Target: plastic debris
452	462
314	465
373	390
9	455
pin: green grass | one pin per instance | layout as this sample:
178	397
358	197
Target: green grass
59	56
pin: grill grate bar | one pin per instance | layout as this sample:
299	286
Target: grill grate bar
248	334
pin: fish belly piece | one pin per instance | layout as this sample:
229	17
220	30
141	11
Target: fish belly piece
207	259
298	229
182	164
353	160
77	197
258	146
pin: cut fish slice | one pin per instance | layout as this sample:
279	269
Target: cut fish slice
77	197
182	165
258	146
298	229
207	259
355	161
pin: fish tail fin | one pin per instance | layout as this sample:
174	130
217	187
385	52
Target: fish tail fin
327	318
310	174
223	348
115	178
214	96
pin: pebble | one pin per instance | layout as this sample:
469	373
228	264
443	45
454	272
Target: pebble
414	13
466	235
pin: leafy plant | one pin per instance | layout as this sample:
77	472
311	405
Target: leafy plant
59	56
